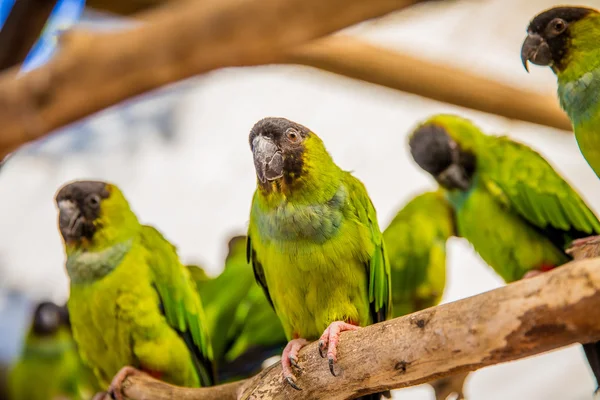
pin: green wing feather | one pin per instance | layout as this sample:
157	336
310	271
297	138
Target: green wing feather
180	301
521	179
221	296
259	273
378	266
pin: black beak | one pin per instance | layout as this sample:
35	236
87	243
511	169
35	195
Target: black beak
536	50
454	177
268	160
70	220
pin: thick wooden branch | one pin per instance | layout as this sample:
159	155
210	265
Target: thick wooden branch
360	60
177	41
22	29
522	319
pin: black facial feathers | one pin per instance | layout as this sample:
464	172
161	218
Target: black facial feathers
79	206
431	149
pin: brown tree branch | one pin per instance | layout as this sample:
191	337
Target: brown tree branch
185	38
22	29
529	317
360	60
177	41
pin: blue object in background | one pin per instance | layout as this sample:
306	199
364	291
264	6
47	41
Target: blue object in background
63	16
15	317
5	7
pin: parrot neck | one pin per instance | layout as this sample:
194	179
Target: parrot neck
86	266
458	197
579	93
317	184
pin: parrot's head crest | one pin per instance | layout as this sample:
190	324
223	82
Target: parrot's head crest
48	318
278	146
79	205
549	36
434	150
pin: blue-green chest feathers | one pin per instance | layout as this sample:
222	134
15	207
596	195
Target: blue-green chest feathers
84	266
580	98
314	222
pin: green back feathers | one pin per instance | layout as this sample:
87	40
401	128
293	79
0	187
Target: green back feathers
416	245
522	180
180	300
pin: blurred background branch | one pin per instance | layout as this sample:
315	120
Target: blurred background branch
178	41
183	39
21	30
528	317
357	59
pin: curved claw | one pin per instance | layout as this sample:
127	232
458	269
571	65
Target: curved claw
294	362
289	359
332	366
290	381
329	339
322	349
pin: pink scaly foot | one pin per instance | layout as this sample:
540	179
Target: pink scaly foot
532	274
289	359
584	241
535	272
116	386
330	338
99	396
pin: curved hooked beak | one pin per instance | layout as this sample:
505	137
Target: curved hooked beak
268	160
536	50
70	219
454	177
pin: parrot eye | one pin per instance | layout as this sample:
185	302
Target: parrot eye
93	200
292	135
557	26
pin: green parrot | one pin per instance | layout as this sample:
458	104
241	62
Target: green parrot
314	242
244	328
132	304
567	39
49	367
518	213
416	246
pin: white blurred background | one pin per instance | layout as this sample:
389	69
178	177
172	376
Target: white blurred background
182	158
